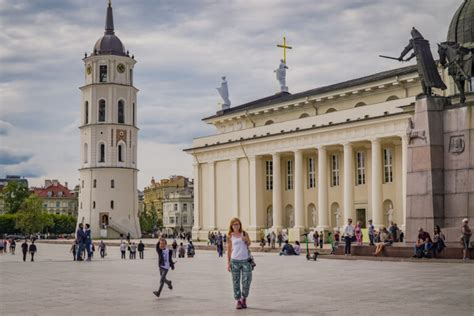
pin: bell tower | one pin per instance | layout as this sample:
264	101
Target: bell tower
108	198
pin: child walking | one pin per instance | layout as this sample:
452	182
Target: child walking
238	261
165	262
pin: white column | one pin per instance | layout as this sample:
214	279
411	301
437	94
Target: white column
376	184
255	196
348	182
235	186
323	210
212	195
404	180
197	199
276	193
299	200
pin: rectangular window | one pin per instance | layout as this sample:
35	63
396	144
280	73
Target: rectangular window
269	175
334	170
388	165
360	168
93	204
95	183
171	219
131	77
185	220
86	114
185	207
311	174
103	73
289	175
175	207
112	184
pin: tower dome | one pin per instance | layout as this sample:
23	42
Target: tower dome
461	29
109	44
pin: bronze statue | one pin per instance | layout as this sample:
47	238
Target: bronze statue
458	59
427	69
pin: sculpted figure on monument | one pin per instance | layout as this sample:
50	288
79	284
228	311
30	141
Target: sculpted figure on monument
281	75
427	69
224	93
458	60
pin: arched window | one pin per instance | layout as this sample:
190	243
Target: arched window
331	110
304	115
392	97
269	122
121	112
86	152
102	153
120	153
101	110
86	112
359	104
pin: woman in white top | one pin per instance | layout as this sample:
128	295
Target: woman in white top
238	261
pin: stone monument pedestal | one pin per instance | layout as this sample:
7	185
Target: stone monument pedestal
425	167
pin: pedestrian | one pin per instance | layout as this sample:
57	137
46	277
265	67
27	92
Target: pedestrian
32	249
24	249
81	238
330	241
141	249
316	239
102	248
465	238
220	246
73	250
371	229
128	237
88	242
92	250
181	251
358	233
2	246
174	245
273	239
165	262
12	246
262	244
238	261
348	235
321	240
191	251
133	251
123	249
280	239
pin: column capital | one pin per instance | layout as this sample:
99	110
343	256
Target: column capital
375	140
298	151
346	144
234	159
319	147
275	154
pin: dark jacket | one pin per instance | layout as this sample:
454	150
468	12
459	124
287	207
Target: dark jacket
81	236
32	248
161	261
87	235
24	247
141	246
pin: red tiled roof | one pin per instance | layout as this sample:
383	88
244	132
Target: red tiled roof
54	189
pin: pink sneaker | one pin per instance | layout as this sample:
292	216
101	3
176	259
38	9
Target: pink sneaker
239	305
244	303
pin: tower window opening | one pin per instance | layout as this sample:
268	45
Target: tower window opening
102	153
120	112
103	73
102	111
120	153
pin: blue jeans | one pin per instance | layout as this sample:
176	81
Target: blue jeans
80	249
425	247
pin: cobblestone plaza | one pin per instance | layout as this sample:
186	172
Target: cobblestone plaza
55	285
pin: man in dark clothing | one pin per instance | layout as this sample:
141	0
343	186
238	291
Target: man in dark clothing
423	243
88	242
165	262
81	238
24	249
141	248
32	250
287	250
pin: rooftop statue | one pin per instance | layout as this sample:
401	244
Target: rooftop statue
281	75
224	93
458	60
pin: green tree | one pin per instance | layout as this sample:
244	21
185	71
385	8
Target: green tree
32	217
61	224
14	194
7	224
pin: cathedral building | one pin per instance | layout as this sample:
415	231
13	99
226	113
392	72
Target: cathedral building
313	159
108	198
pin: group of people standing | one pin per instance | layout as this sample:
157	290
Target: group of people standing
132	248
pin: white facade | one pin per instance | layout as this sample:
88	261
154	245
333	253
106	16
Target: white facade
178	211
108	198
310	160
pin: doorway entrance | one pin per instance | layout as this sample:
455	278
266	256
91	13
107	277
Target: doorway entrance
361	216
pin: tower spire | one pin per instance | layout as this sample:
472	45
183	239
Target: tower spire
109	20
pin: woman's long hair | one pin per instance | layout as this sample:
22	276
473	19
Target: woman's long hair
232	221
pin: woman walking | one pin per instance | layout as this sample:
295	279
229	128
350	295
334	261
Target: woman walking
238	261
358	233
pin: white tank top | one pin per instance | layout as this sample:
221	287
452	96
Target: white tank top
239	248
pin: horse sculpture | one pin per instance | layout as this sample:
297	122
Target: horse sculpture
458	60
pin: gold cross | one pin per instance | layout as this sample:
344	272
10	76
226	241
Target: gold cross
285	47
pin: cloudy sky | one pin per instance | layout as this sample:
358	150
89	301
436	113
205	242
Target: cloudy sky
182	48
